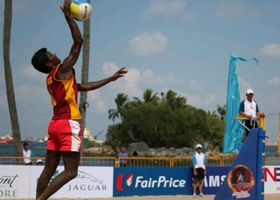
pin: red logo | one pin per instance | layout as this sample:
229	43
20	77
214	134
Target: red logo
119	181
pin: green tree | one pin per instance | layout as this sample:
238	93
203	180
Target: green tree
169	123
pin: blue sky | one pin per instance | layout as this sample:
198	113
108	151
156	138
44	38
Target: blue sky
179	45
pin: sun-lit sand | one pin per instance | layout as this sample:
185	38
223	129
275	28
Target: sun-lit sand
175	197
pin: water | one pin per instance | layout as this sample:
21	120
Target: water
38	149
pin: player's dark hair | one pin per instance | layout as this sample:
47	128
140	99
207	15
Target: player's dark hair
39	61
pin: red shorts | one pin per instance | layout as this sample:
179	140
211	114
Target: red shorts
64	135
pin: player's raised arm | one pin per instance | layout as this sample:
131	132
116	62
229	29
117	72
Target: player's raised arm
97	84
65	70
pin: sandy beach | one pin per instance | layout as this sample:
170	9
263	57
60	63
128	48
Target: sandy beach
175	197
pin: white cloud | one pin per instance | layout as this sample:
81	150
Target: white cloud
243	85
129	83
166	7
274	81
95	98
149	43
148	73
271	50
109	68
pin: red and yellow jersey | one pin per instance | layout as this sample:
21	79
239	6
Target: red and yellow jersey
64	95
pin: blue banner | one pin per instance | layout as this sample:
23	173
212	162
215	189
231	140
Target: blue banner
140	181
234	130
214	178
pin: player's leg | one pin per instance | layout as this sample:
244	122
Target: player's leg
195	181
52	161
200	175
71	163
200	184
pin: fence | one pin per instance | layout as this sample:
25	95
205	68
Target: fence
130	161
140	161
272	161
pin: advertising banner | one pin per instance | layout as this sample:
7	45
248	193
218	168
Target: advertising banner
14	182
215	176
150	181
90	182
272	180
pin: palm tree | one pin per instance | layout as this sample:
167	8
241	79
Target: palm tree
121	103
174	101
84	74
180	102
9	78
213	113
148	97
222	111
170	97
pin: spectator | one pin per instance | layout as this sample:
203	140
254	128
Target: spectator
123	154
26	154
199	170
39	162
249	108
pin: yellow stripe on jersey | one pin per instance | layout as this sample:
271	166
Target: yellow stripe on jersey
70	98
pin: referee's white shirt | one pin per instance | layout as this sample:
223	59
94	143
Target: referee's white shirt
199	160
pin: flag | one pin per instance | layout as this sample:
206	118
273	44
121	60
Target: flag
234	130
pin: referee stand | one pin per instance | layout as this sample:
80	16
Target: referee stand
245	177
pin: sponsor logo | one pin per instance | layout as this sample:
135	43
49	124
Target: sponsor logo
273	173
88	182
84	175
7	181
240	181
93	183
129	180
214	180
6	186
148	182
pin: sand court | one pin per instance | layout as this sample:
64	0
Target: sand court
175	197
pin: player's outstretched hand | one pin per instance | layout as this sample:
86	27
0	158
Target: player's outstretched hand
66	7
120	73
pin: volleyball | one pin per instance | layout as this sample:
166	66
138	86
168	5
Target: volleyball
80	9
